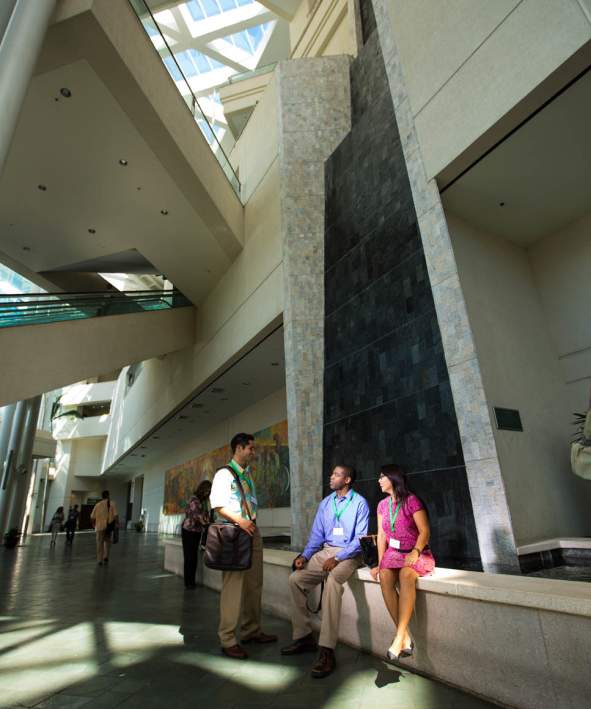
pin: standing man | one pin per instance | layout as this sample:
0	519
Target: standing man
333	554
104	517
241	590
71	523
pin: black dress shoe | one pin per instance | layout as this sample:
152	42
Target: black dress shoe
305	644
325	664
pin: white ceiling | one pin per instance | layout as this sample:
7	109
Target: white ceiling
257	375
72	146
542	173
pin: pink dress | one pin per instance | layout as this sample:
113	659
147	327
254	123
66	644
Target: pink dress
406	533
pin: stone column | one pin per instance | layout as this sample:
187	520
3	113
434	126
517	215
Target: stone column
19	48
487	489
8	480
314	116
24	464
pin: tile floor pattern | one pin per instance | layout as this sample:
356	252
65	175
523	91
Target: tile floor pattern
73	634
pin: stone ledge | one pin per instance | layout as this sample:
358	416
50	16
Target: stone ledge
549	544
571	597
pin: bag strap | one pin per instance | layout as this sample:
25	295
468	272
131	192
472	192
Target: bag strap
244	503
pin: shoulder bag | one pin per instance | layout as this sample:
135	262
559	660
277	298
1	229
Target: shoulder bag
110	528
228	547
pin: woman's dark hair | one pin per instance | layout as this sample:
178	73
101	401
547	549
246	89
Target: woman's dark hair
200	493
59	509
397	477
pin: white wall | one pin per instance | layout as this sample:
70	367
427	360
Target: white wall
521	370
247	300
467	63
87	456
561	265
261	414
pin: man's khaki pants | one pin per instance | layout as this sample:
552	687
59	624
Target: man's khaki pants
241	591
303	580
103	542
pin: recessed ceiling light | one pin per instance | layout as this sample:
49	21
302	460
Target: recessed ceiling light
274	364
123	162
92	231
138	188
26	248
196	406
155	438
245	384
183	417
217	390
164	211
501	204
43	188
66	93
143	447
224	398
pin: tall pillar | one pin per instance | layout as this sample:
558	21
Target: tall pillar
8	479
6	9
314	116
24	465
487	489
7	419
19	49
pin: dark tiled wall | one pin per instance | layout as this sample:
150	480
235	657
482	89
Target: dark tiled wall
387	393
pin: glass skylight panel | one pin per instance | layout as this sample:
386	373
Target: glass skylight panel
211	7
195	9
173	69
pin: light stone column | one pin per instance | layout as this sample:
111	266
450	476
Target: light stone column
20	44
487	489
9	478
314	116
24	464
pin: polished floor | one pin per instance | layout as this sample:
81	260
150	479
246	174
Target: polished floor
73	634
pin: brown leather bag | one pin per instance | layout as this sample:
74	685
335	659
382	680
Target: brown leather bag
228	546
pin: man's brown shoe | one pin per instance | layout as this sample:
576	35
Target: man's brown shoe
305	644
325	664
260	638
235	652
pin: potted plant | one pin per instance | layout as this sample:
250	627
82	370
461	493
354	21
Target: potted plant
11	538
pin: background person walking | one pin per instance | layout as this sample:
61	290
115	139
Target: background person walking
71	523
197	517
55	525
104	518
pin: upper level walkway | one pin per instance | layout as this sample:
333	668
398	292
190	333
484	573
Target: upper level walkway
52	340
74	634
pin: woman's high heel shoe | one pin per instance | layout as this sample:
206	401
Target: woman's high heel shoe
390	654
408	651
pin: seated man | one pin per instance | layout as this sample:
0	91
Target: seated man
332	553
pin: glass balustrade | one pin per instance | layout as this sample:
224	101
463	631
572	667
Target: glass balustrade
178	75
41	308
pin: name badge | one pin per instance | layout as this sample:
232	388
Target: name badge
338	532
394	543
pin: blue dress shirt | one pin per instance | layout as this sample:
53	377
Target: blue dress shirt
353	521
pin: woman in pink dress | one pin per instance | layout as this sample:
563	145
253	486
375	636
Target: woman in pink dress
403	535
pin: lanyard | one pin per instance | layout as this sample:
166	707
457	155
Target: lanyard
241	475
338	514
393	517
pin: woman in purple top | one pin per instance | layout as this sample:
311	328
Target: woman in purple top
403	536
197	517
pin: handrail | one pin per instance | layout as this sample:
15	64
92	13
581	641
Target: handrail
42	308
224	163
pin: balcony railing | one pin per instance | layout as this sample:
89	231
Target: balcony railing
41	308
151	27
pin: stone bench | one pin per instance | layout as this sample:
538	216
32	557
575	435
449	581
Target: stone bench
523	642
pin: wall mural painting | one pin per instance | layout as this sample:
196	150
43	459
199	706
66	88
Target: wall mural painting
270	471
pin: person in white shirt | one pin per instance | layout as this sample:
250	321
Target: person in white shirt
104	517
241	590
